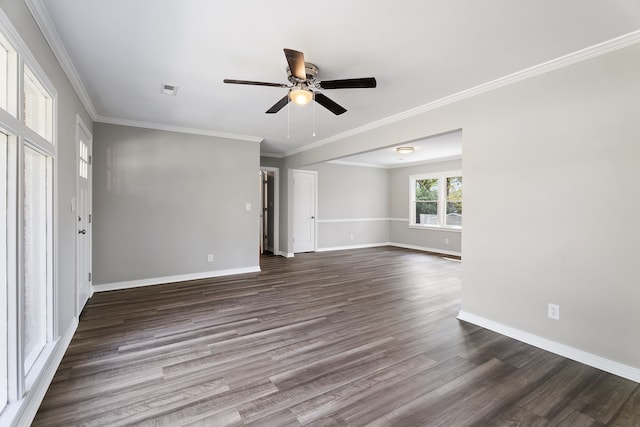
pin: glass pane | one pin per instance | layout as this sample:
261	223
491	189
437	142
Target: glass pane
454	201
35	254
427	213
8	77
3	271
427	189
4	76
37	106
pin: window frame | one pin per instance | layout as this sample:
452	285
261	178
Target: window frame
12	123
441	202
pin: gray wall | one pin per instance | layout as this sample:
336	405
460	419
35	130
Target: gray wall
549	167
399	231
164	200
353	205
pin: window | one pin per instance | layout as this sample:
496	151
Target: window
83	167
436	200
8	77
3	271
37	106
27	162
37	252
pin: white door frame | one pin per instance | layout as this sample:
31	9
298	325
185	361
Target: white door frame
276	208
81	126
292	173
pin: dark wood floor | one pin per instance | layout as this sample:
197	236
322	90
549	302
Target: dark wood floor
329	339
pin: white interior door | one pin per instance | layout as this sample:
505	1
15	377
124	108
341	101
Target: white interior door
304	211
83	240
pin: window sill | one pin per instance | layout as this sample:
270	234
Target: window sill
435	228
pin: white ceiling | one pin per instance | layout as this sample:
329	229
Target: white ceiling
419	51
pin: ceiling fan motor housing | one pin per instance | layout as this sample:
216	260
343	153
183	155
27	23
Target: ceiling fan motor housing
311	70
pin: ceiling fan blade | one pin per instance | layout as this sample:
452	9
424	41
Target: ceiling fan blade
365	82
329	104
250	82
278	105
296	63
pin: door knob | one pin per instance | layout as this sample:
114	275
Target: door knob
82	232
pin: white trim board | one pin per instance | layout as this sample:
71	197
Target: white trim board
172	279
343	248
322	221
396	245
581	356
537	70
22	412
426	249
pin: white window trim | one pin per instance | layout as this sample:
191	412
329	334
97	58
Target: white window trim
442	198
12	122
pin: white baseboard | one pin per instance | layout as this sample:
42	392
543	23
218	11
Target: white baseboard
624	371
287	254
423	248
170	279
342	248
397	245
22	412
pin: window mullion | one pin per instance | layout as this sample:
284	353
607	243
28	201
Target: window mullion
442	205
14	272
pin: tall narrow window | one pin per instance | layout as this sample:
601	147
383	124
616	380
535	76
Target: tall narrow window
27	161
37	252
3	271
8	77
426	206
38	106
83	167
454	201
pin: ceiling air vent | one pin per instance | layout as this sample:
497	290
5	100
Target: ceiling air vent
169	89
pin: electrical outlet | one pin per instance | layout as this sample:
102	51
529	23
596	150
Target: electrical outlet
446	241
553	311
210	258
351	237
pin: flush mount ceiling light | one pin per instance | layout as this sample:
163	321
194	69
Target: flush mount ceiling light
404	150
300	96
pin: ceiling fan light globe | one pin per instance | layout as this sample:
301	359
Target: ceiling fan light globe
301	96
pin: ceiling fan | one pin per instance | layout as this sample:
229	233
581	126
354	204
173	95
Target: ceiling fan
304	85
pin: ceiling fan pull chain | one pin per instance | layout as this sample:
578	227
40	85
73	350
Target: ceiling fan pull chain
288	120
314	113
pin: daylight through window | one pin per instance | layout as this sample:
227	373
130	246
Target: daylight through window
436	200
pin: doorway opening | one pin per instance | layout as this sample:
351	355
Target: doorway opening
269	239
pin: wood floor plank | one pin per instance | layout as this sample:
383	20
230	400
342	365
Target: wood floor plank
345	338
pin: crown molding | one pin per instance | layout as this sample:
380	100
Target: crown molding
43	20
537	70
180	129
